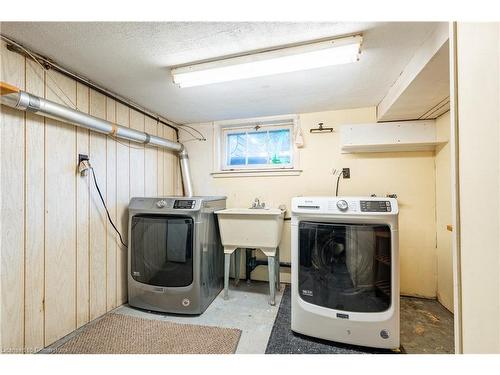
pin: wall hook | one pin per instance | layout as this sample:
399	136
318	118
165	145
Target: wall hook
321	129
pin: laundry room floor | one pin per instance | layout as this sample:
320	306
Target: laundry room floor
246	309
426	328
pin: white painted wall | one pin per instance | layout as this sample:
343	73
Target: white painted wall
411	175
478	75
444	255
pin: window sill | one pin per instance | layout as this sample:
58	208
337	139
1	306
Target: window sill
257	173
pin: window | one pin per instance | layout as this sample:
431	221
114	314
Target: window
258	147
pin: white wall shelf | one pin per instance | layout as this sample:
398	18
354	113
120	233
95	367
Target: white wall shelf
390	137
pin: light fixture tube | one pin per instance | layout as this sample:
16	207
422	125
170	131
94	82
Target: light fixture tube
285	60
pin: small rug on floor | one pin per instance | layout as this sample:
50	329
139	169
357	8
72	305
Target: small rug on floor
284	341
122	334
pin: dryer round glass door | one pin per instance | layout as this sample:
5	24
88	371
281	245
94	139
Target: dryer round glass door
345	266
162	250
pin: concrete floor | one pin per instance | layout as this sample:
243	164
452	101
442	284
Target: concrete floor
426	327
246	309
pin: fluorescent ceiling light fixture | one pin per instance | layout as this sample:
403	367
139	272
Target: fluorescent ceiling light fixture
284	60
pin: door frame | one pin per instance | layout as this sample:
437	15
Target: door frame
455	190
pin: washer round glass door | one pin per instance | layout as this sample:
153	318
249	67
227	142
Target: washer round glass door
345	266
162	250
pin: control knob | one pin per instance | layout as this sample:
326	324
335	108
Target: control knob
342	205
162	203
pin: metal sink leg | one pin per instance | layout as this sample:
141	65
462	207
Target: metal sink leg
227	263
272	280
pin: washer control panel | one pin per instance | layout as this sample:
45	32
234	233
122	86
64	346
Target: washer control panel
345	205
375	206
184	204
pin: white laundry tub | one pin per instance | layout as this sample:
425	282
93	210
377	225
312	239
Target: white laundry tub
256	228
259	228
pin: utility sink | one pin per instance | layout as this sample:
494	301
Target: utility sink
254	228
258	228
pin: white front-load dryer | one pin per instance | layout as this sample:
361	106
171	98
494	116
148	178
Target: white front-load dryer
345	270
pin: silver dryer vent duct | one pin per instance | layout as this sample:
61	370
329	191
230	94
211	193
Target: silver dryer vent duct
18	99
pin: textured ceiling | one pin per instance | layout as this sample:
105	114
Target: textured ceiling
133	60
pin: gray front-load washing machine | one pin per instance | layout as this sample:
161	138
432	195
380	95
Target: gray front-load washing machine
175	256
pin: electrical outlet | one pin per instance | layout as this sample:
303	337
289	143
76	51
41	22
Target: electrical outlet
83	167
82	157
346	173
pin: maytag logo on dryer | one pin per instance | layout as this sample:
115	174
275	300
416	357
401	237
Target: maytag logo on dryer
306	292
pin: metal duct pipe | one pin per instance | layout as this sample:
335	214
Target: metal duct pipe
186	173
16	98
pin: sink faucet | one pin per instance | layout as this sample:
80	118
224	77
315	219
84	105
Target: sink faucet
257	204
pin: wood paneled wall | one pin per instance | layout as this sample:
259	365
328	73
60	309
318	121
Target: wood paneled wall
61	263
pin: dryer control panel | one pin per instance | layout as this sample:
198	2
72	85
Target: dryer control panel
375	206
184	204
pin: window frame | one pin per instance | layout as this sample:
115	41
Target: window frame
251	129
223	128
